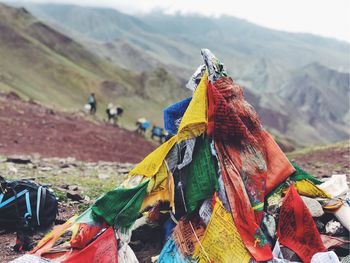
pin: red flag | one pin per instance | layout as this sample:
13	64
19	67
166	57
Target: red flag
296	228
102	250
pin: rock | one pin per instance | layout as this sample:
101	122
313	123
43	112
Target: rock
45	169
289	254
123	170
320	226
74	196
334	227
73	187
65	165
314	206
65	186
18	159
103	176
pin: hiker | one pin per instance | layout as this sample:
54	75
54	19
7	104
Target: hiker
113	112
142	125
159	132
92	102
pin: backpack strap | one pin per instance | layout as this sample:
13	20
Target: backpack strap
40	202
27	215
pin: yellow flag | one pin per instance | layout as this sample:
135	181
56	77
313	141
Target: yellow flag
160	188
152	163
221	241
195	120
307	188
193	124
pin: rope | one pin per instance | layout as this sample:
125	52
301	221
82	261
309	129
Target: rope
199	242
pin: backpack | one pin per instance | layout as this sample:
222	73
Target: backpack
26	203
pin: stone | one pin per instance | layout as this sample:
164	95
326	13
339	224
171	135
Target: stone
18	159
123	170
334	227
103	176
314	206
45	169
75	196
73	188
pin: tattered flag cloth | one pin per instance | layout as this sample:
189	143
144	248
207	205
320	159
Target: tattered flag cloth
193	82
186	235
215	67
160	188
173	115
170	253
193	124
296	228
149	166
194	121
121	206
278	166
103	249
45	245
201	180
249	160
230	118
308	188
301	174
298	175
241	208
221	241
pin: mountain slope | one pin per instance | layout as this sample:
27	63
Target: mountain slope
322	98
41	63
163	51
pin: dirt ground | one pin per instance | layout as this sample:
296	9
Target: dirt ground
322	162
29	128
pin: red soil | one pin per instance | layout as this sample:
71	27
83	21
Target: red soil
27	128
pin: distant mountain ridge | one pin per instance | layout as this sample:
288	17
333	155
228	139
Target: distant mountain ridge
299	83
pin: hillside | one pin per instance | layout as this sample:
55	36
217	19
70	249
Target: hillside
41	63
270	64
32	129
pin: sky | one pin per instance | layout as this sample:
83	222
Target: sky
329	18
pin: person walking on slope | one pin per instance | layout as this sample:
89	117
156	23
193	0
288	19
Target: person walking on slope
92	102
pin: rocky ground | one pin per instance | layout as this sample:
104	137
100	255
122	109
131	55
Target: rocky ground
77	184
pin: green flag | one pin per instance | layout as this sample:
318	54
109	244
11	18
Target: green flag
201	179
121	206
